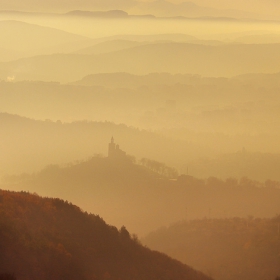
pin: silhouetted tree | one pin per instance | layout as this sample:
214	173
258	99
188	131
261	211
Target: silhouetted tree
124	233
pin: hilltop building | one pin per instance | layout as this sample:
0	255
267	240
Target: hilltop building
114	151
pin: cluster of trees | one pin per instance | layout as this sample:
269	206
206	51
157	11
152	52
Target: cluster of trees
245	182
48	238
159	168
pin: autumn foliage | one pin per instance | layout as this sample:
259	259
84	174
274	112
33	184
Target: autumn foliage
48	238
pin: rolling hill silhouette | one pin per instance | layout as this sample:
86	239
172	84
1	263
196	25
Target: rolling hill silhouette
30	39
220	246
215	61
157	8
48	142
102	14
48	238
108	46
143	197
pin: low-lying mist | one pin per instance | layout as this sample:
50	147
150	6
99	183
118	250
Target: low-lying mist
148	114
201	123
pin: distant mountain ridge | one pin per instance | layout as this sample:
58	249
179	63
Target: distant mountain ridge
158	8
109	14
173	57
24	39
146	10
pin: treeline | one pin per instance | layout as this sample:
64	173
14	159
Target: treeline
159	168
244	182
48	238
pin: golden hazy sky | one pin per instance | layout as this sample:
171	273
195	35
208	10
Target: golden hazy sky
265	7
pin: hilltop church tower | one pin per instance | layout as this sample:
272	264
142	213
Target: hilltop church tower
111	148
114	150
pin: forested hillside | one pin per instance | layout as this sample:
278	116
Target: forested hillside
228	249
48	238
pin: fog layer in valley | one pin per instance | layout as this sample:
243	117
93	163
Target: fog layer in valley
149	113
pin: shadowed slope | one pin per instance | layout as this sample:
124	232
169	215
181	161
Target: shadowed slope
47	238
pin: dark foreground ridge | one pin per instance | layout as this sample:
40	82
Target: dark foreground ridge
48	238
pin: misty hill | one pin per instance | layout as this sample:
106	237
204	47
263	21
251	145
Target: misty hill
53	142
120	42
260	39
62	242
8	54
253	82
192	8
175	37
159	9
152	38
187	9
61	7
228	249
30	39
269	80
111	9
260	166
159	101
109	46
141	195
198	118
215	61
166	8
103	14
124	80
127	80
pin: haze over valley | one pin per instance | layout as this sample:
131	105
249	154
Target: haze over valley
160	117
